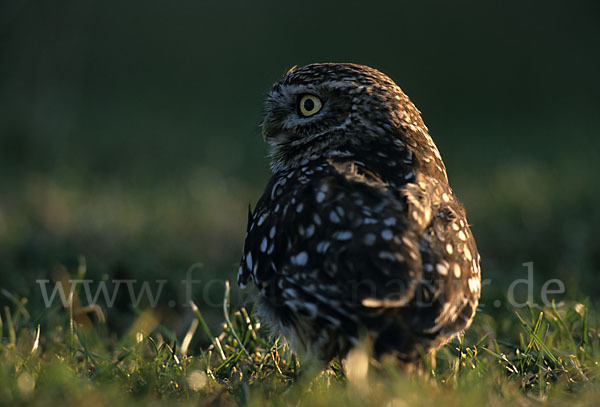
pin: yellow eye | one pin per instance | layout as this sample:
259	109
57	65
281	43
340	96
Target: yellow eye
309	105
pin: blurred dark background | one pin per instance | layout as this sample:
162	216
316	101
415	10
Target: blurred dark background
129	130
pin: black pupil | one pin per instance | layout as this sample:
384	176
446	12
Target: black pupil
309	105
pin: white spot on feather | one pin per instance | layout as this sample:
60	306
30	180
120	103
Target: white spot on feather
389	221
441	269
300	259
322	247
334	217
474	284
468	254
343	235
262	218
456	269
387	234
249	260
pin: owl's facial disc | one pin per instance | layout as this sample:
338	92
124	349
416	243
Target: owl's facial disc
296	114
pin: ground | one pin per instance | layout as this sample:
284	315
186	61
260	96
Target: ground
529	357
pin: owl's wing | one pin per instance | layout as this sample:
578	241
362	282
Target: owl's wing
452	279
332	241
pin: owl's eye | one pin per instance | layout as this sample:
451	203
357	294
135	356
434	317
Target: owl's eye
309	105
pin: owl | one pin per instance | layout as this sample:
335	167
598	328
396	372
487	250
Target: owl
358	235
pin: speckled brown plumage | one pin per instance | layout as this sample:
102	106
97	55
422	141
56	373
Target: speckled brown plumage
358	233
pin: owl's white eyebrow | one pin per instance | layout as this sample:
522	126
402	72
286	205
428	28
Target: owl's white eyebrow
338	84
343	83
294	89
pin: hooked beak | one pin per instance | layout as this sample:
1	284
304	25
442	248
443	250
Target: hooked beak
263	131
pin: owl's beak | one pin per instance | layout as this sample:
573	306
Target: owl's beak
263	132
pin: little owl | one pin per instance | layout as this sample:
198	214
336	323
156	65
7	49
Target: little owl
358	235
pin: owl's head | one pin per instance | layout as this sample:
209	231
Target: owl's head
320	109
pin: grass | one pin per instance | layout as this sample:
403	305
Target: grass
533	356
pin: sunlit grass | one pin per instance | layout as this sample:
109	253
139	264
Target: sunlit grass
539	354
